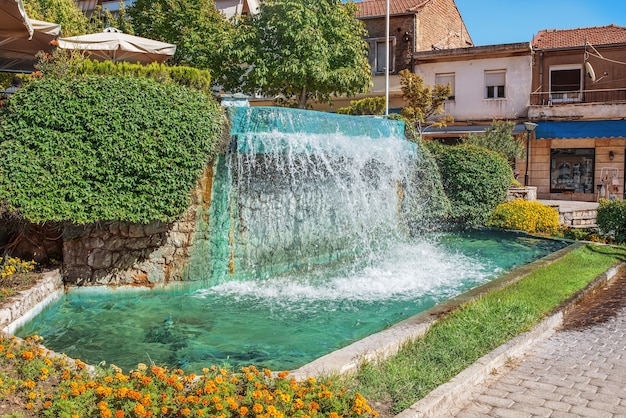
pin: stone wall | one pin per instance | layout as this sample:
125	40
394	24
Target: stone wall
121	253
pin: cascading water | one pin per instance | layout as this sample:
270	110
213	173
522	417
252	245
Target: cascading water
309	251
304	191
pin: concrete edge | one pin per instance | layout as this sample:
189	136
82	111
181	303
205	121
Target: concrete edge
459	390
30	302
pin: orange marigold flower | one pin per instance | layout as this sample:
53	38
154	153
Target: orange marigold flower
333	415
284	374
28	355
54	42
257	408
267	372
243	411
140	410
185	412
30	405
119	414
32	395
47	404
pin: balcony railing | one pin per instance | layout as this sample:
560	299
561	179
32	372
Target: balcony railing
578	96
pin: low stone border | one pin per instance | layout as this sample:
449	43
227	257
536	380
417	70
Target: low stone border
30	302
460	389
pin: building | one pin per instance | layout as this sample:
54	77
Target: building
487	82
414	25
578	100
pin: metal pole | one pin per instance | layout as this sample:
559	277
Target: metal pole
387	61
527	156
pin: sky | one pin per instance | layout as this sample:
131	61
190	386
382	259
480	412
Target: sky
508	21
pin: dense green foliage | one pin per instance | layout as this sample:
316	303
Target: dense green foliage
63	63
203	37
524	215
302	50
475	180
611	219
105	148
425	200
366	106
478	327
499	138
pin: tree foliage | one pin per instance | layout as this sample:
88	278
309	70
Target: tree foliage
64	12
499	138
424	102
202	35
301	50
475	180
114	148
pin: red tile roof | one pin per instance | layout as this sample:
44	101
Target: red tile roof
377	8
597	35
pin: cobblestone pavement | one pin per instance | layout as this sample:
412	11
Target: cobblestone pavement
578	372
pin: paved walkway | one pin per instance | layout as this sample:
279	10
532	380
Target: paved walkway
578	372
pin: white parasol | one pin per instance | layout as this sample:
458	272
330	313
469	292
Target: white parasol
112	44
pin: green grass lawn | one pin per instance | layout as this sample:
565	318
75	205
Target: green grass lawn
478	327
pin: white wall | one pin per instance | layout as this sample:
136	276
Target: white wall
470	103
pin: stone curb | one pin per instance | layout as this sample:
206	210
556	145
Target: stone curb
30	302
460	389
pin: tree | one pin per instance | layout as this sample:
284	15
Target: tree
423	102
202	35
64	12
499	138
301	50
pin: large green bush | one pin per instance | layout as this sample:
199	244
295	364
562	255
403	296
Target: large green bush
105	148
611	219
475	180
425	201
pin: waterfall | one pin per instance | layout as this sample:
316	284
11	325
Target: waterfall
302	188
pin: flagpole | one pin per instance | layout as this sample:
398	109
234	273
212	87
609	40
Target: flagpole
387	61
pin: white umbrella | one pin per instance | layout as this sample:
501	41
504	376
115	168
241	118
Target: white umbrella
18	54
111	44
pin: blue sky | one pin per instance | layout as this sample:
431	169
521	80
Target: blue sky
508	21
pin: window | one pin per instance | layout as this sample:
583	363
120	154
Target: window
446	79
566	83
571	170
377	54
494	83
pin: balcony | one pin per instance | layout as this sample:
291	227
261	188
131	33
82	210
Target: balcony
578	104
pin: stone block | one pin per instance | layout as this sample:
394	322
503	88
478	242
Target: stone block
136	231
99	259
138	243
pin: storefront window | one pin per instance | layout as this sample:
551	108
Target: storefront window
571	170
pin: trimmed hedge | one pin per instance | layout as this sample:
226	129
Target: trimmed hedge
103	148
524	215
611	219
366	106
475	180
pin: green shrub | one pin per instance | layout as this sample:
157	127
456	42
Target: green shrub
62	63
367	106
611	219
475	180
524	215
103	148
425	202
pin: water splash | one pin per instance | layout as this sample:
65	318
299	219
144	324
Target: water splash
307	188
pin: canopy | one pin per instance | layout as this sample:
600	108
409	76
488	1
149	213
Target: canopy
111	44
18	54
14	22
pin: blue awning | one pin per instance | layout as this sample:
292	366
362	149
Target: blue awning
581	129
